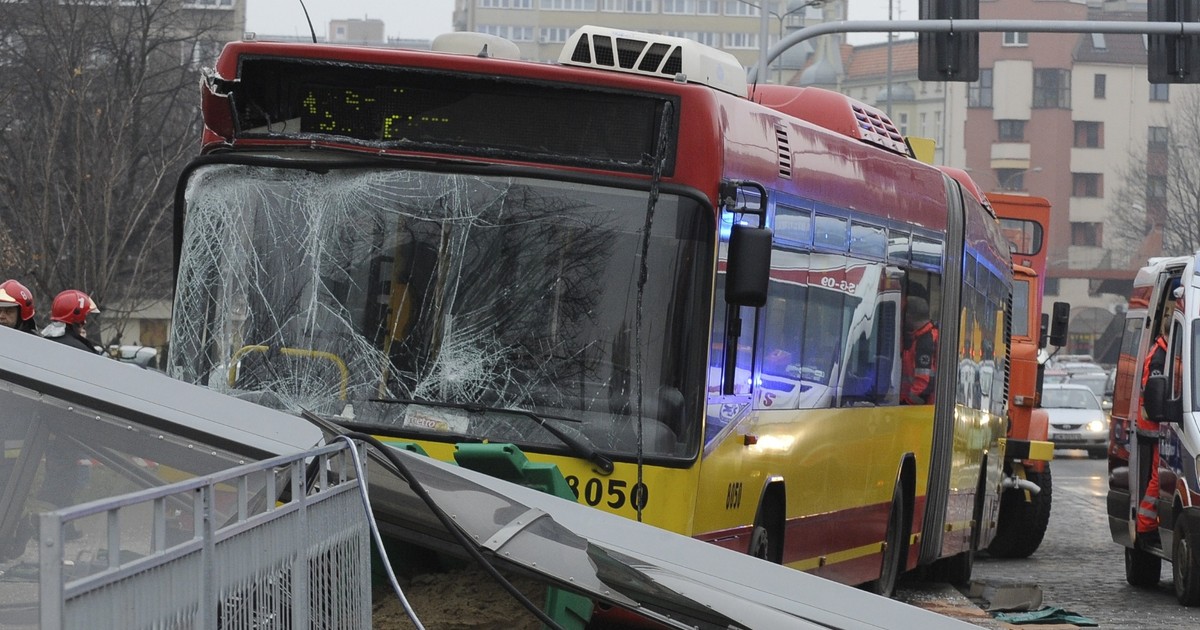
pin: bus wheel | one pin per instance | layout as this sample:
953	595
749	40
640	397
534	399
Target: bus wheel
1142	568
894	553
1185	565
1022	524
766	539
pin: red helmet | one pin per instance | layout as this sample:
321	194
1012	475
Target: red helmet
13	292
72	307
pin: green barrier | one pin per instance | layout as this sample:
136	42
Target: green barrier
507	462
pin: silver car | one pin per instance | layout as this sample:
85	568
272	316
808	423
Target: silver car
1077	420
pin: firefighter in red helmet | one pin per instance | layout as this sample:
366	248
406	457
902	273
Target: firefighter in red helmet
16	307
68	317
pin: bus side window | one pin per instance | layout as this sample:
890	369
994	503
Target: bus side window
872	369
784	320
921	339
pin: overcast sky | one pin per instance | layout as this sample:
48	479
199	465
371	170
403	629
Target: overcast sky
425	19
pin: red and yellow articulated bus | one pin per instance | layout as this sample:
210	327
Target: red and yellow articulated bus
687	292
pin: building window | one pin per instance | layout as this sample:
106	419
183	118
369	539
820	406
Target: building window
979	93
569	5
1087	234
1011	130
679	7
902	123
1011	178
937	128
555	35
741	40
708	7
1160	92
1087	185
1156	187
1098	41
1051	88
1099	85
1013	38
1156	137
737	7
1089	135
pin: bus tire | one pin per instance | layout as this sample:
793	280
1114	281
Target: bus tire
1142	568
1185	565
895	551
1022	524
766	538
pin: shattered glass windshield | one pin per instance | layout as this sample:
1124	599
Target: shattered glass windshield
360	293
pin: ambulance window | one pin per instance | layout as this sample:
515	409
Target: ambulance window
1195	373
1175	363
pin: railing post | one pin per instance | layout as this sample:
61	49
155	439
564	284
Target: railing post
50	559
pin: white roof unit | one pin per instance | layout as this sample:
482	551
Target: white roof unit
651	55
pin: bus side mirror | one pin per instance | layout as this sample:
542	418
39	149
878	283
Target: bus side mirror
1156	397
1058	324
749	269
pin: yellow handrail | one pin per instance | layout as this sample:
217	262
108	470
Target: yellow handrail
299	352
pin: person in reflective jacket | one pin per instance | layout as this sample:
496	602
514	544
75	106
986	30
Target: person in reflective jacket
68	317
918	358
1155	365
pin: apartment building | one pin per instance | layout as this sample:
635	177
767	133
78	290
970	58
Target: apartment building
541	27
1058	115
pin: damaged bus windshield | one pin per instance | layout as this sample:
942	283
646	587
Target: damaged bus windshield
358	293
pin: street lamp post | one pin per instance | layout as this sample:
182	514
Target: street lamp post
796	8
764	27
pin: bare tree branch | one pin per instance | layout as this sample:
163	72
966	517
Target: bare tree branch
98	115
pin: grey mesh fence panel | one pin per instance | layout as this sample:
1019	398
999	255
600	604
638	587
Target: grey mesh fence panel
302	562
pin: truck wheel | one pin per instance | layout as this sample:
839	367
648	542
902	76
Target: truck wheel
1022	524
1185	566
1141	567
896	551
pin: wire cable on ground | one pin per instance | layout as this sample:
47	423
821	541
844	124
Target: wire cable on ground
450	526
387	565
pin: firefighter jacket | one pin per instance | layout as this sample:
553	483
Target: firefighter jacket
919	365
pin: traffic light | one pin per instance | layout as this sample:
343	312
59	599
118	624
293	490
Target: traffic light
1173	58
949	56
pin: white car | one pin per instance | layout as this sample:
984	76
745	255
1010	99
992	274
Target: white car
1077	420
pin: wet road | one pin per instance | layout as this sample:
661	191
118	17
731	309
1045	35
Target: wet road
1078	567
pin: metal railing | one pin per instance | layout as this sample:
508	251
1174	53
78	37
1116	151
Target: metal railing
281	543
